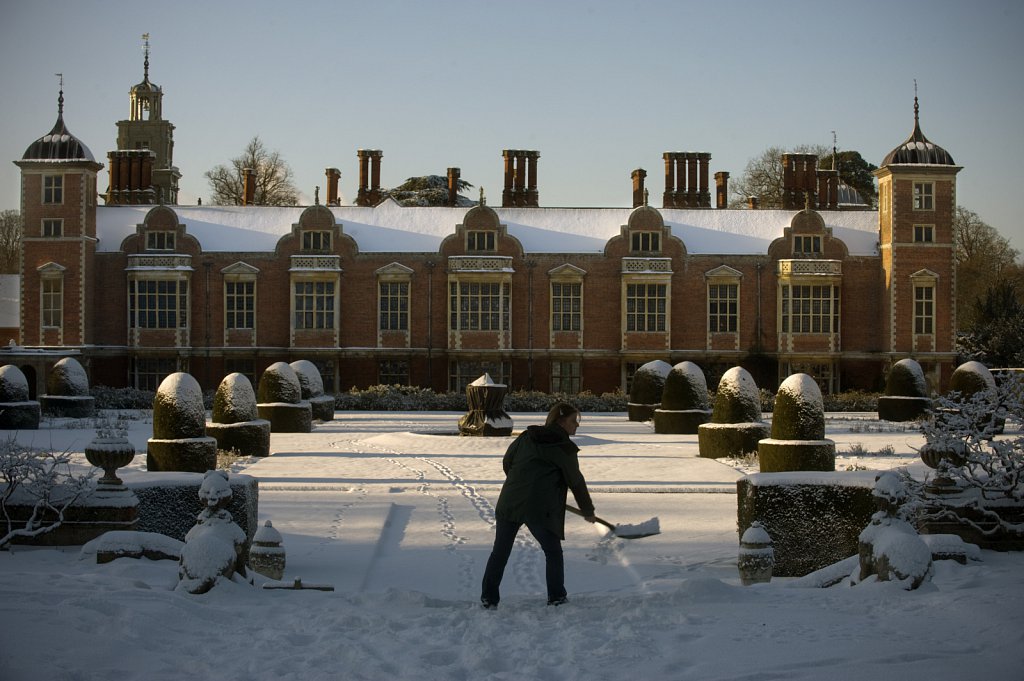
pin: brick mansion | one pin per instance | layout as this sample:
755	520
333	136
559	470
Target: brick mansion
115	273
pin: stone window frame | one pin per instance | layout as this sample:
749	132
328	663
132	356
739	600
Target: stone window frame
569	383
924	233
718	277
923	319
460	319
481	241
180	310
52	228
317	241
788	313
393	372
234	274
161	240
924	195
324	318
147	373
394	274
51	295
807	244
53	189
645	241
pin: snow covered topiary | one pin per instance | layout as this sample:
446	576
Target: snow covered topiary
684	401
280	400
179	441
736	426
67	391
312	385
890	547
279	383
236	424
13	384
906	393
235	400
646	389
17	411
970	378
798	430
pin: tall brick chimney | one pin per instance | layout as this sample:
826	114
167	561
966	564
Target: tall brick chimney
753	203
799	178
638	186
249	187
686	179
453	186
131	177
369	177
333	177
520	188
721	189
828	189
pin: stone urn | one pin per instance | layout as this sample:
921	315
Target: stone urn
756	557
110	452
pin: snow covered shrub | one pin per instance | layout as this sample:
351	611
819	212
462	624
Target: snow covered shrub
889	547
736	426
67	391
684	401
645	392
797	441
236	424
122	398
179	441
17	412
312	386
280	400
41	483
906	393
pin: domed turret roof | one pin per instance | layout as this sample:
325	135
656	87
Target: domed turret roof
918	149
58	144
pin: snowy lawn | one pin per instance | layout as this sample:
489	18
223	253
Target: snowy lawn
396	513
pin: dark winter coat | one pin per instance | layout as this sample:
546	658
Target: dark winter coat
540	466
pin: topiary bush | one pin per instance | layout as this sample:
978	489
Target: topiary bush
736	426
179	441
280	400
17	412
797	441
67	391
684	401
645	393
236	425
312	387
906	393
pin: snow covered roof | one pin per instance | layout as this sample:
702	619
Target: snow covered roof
390	228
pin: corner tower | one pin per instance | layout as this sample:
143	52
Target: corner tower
58	206
916	205
142	168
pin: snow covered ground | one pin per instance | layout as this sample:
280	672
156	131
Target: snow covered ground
396	513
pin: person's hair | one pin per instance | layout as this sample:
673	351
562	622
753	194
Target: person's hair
560	411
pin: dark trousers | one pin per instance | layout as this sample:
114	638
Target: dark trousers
504	537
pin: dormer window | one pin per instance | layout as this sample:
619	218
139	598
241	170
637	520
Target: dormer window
807	245
649	242
159	241
480	241
316	241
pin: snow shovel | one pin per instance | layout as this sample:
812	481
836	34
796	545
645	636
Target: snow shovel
644	529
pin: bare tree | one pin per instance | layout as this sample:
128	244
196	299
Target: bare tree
10	240
984	258
763	175
273	176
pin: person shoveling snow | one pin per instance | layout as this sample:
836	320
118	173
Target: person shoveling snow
541	465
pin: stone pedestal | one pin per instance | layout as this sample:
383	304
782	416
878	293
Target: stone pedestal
777	456
682	422
722	440
323	407
248	438
193	455
286	417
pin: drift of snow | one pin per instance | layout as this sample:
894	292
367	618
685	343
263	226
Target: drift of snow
397	515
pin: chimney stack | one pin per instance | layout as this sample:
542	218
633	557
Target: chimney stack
249	187
638	186
721	189
369	177
753	203
520	179
799	178
333	177
686	179
453	186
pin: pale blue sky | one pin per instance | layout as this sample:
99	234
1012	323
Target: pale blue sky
599	88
